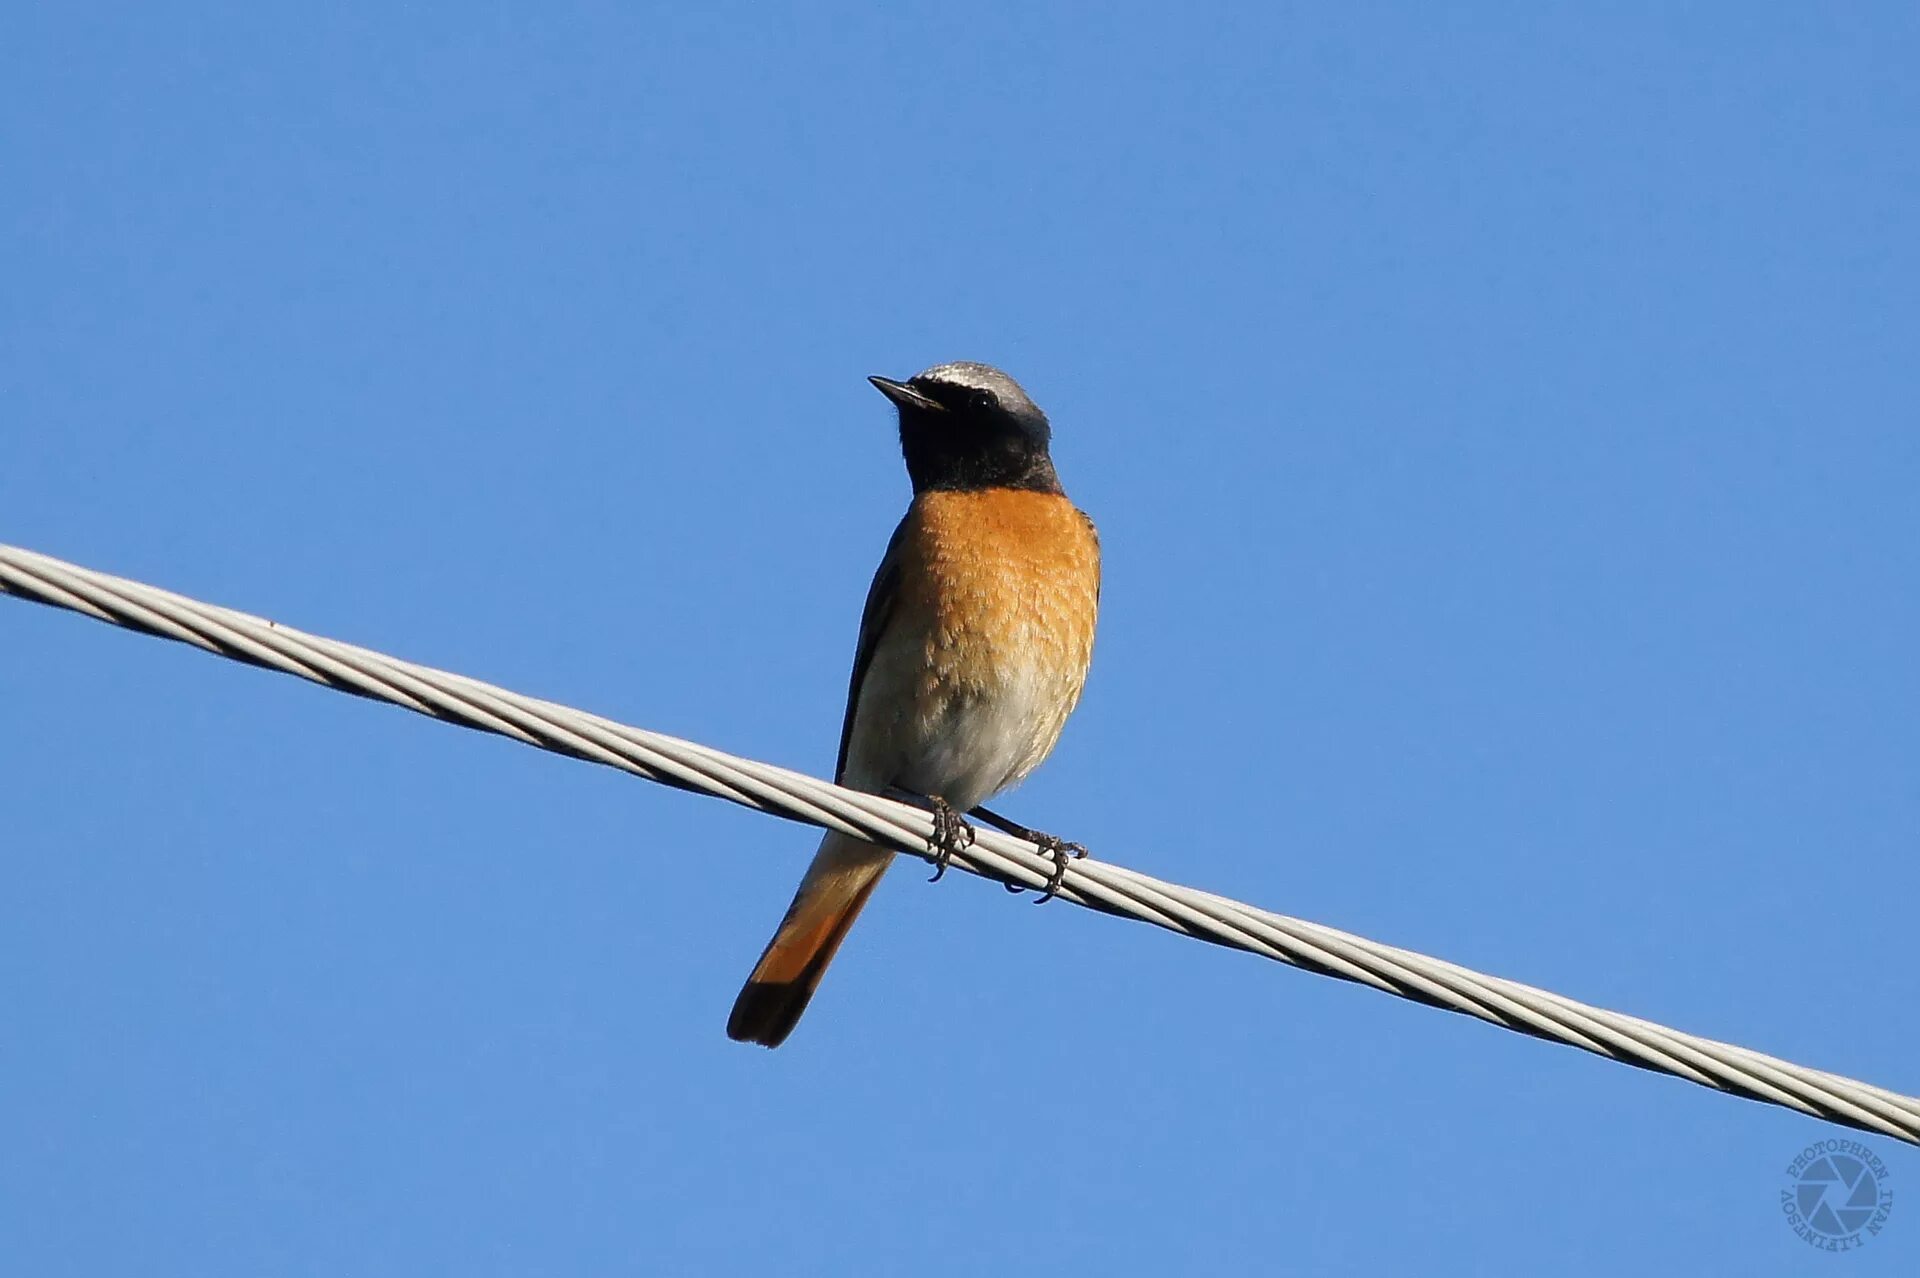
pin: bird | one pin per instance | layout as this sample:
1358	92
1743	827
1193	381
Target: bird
973	650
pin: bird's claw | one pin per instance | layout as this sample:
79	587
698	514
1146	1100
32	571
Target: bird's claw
951	834
1060	851
1055	848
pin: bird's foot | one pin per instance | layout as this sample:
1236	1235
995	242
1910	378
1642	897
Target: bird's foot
951	834
1058	850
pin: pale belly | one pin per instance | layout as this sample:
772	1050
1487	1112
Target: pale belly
964	739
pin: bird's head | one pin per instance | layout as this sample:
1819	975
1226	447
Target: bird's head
970	426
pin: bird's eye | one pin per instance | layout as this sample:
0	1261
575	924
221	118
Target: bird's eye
981	400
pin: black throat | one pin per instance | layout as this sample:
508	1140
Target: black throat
949	451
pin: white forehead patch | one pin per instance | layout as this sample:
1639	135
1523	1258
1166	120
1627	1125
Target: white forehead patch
971	376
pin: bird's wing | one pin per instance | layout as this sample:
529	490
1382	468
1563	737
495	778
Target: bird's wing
881	596
1094	533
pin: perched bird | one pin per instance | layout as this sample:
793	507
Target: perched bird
973	649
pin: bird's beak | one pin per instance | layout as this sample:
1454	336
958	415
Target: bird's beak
904	395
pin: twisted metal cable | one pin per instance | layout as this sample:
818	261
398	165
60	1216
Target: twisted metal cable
1098	885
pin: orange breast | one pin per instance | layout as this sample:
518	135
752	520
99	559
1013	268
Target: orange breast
1002	588
1016	573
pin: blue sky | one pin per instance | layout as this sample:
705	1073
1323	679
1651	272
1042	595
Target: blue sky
1501	425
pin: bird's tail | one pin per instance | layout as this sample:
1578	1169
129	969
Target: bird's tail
838	883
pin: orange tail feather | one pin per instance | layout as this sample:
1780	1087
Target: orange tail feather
843	875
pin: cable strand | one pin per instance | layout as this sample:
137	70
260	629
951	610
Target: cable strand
1097	885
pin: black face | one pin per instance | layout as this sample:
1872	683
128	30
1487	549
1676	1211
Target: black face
960	437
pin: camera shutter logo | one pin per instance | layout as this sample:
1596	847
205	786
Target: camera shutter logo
1836	1196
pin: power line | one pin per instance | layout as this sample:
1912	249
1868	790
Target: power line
1099	885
